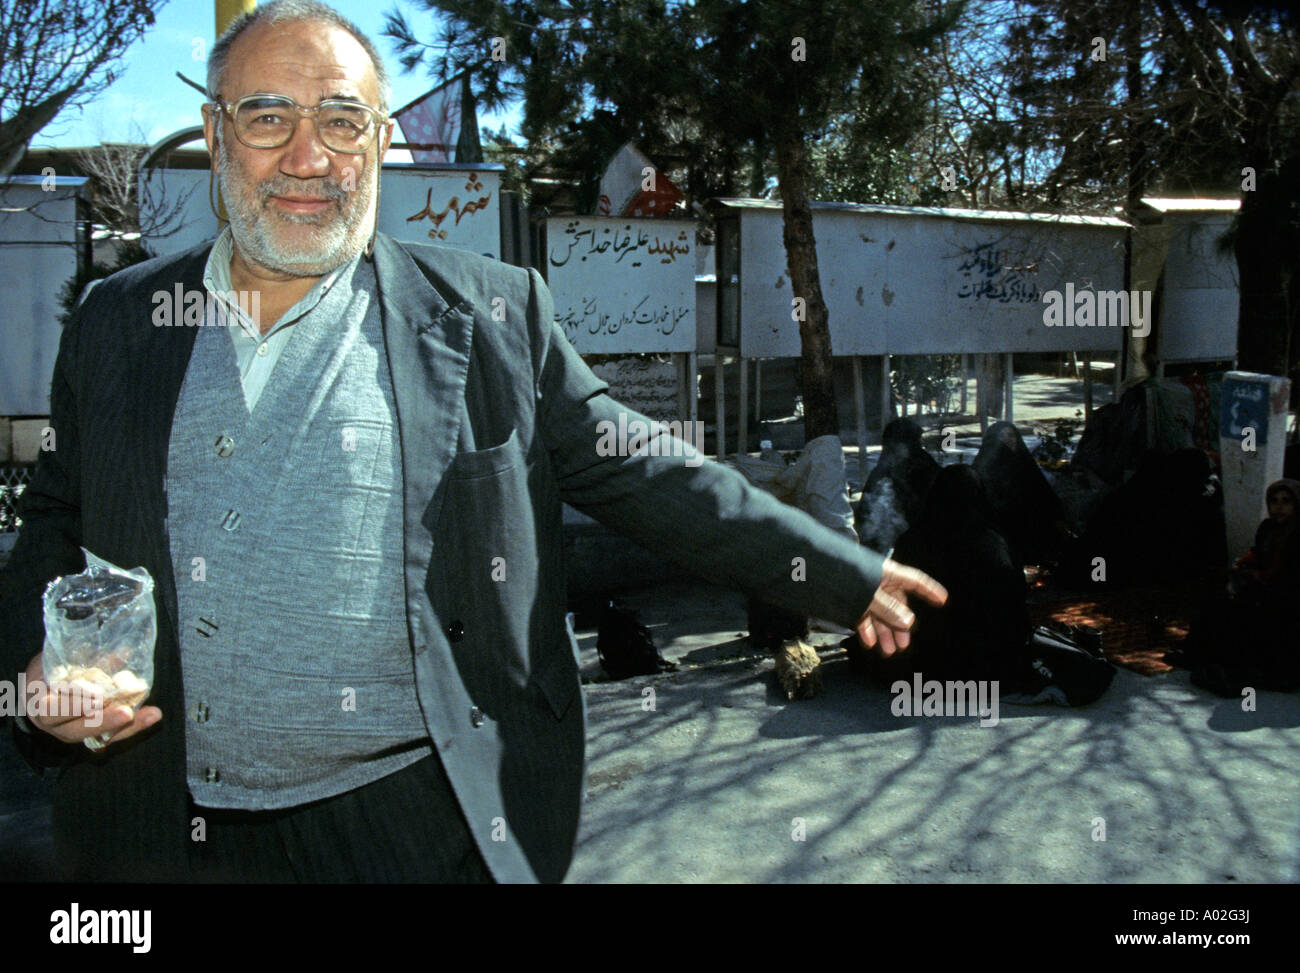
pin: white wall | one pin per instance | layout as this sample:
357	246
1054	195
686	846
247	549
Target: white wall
908	282
38	253
1201	301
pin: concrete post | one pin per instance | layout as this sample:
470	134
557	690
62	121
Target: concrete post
1252	445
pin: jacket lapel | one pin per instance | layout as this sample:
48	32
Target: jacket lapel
428	329
159	367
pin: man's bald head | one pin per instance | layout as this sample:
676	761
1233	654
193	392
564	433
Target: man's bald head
287	11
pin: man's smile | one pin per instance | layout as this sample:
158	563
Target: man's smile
303	204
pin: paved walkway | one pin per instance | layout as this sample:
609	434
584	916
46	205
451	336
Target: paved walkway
713	783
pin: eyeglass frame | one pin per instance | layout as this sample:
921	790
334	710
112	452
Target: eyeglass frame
229	108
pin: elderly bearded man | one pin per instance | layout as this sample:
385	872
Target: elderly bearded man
350	465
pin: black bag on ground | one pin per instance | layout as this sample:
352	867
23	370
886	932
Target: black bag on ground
625	646
1059	671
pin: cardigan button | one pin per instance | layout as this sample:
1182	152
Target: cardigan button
475	717
224	445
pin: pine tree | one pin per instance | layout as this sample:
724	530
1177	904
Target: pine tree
717	85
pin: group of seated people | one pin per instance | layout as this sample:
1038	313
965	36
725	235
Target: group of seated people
974	528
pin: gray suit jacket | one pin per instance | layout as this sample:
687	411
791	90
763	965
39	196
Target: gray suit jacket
498	426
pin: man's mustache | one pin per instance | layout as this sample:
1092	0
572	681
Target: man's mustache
315	189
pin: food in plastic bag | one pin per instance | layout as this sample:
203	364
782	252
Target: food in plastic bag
100	628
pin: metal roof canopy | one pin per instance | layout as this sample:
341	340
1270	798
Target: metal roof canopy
1163	204
935	211
60	182
42	234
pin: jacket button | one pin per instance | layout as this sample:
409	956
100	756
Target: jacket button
212	775
200	712
475	717
456	630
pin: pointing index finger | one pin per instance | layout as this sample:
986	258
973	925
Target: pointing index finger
918	582
928	588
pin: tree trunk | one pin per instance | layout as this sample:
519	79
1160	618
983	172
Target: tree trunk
1264	270
816	376
1268	268
990	380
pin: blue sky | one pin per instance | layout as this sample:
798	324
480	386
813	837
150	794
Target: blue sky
149	102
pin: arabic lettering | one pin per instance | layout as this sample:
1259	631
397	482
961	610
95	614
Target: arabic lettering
643	384
454	205
593	240
595	320
992	275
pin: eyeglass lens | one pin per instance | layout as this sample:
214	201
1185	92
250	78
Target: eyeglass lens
269	123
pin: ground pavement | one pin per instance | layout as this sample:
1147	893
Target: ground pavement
726	781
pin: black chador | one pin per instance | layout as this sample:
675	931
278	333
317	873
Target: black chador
980	633
900	482
1026	510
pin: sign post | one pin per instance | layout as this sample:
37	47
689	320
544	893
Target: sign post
1252	446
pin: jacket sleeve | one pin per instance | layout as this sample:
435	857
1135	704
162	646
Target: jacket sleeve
700	514
48	544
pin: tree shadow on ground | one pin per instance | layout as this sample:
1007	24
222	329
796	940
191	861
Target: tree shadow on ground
1154	782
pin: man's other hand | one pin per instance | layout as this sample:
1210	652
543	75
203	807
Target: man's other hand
888	621
111	725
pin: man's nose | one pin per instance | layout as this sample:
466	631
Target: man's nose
305	155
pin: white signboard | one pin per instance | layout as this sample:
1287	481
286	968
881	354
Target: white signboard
914	281
460	208
38	255
457	207
1201	301
645	385
622	286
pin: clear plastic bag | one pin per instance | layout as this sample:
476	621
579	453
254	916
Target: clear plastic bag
100	628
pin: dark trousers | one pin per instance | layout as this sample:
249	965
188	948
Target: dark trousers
406	827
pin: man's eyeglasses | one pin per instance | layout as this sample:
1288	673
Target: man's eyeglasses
269	121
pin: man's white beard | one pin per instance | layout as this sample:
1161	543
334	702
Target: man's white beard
339	237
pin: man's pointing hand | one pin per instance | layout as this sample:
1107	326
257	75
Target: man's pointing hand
888	621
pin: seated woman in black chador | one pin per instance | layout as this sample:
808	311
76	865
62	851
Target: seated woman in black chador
1253	639
1026	510
1164	525
897	487
980	633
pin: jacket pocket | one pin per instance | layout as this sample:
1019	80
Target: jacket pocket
486	462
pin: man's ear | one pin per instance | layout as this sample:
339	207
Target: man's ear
387	139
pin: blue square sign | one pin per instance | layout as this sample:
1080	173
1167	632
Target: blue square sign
1245	403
